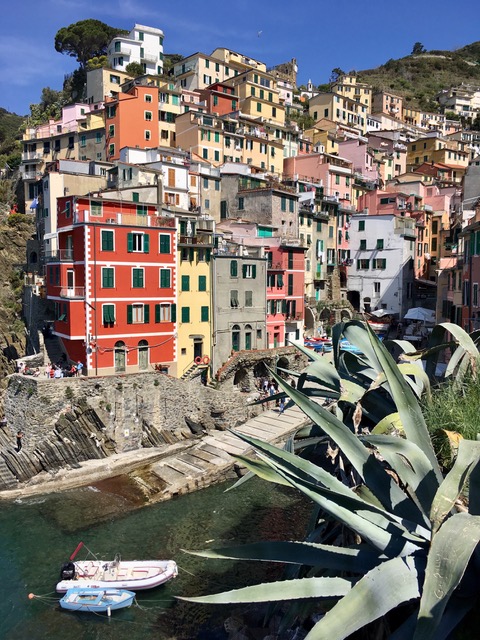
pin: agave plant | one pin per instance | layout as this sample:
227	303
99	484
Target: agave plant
414	544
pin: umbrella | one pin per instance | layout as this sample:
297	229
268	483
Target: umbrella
380	313
420	313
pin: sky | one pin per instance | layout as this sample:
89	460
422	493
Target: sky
321	35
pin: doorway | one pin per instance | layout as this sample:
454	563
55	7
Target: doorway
120	357
143	355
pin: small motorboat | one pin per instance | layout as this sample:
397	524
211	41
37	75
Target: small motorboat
115	574
96	600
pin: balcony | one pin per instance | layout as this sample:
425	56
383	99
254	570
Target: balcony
131	220
73	293
202	240
275	266
31	175
61	255
148	58
30	156
188	68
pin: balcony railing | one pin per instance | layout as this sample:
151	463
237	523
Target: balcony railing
147	57
31	155
202	239
133	220
31	175
73	292
186	69
61	255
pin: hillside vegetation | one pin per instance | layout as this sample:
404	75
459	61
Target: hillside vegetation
418	78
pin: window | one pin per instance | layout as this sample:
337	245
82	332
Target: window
138	242
148	115
165	279
111	130
204	314
108	314
148	98
205	154
380	243
475	295
241	204
236	337
138	278
363	245
83	141
107	240
185	314
283	203
290	284
379	263
234	298
185	283
249	270
165	313
148	134
164	243
376	287
108	277
234	269
202	283
96	208
259	107
249	298
223	209
363	264
291	205
361	225
141	36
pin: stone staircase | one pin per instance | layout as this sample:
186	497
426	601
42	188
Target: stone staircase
54	349
193	371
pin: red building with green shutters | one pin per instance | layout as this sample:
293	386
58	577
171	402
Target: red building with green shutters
113	282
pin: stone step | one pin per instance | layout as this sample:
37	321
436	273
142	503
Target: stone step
7	480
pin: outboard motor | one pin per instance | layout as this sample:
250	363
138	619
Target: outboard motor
67	572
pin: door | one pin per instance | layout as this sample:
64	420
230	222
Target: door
143	355
120	357
197	349
70	283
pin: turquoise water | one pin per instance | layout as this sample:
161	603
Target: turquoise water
38	534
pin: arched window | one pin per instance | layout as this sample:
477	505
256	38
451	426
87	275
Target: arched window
236	337
143	355
120	357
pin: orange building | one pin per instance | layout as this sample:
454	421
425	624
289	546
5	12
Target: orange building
219	98
113	283
132	120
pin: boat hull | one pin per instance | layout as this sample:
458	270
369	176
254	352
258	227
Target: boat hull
134	575
96	600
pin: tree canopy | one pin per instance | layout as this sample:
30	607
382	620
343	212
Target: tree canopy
418	48
134	69
85	39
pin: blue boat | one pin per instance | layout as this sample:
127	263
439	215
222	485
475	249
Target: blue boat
96	600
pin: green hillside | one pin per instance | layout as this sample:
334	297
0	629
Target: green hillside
9	131
418	78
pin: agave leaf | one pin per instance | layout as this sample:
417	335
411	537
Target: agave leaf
352	392
382	589
260	469
406	402
272	591
324	556
406	346
310	353
412	467
369	469
468	457
325	373
342	503
462	337
355	333
450	552
421	379
387	424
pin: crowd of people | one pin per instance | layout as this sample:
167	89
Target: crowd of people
268	389
62	369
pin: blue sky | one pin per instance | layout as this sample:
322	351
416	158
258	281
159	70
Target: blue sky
320	35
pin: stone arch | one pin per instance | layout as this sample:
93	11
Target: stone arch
345	314
240	379
309	319
282	363
33	258
325	314
260	370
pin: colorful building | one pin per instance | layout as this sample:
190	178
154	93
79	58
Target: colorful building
113	281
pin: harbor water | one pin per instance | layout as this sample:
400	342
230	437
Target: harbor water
38	534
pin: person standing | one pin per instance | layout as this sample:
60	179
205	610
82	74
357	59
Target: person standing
79	368
19	440
281	405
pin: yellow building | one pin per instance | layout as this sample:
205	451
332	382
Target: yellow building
194	294
438	150
258	95
169	107
349	87
340	109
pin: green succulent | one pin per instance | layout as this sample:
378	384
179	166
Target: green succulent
414	544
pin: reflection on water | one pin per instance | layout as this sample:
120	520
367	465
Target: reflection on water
38	534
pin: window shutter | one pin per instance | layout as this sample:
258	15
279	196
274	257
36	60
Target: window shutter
129	314
146	313
173	309
204	315
192	254
185	283
106	314
254	270
284	306
234	268
244	270
279	281
146	243
207	255
202	283
164	278
130	242
157	313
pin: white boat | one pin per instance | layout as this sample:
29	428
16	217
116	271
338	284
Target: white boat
96	600
118	574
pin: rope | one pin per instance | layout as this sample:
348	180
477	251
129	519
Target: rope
189	573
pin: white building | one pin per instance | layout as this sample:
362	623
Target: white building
143	45
382	247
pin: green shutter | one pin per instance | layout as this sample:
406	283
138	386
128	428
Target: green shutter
234	268
146	243
146	313
254	270
192	254
202	283
284	306
107	278
164	243
244	270
204	314
130	242
164	278
106	313
185	314
279	281
173	310
185	283
477	242
207	255
157	313
129	314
